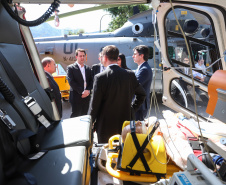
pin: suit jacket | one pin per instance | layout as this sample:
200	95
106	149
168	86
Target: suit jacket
144	76
95	69
56	92
76	82
110	103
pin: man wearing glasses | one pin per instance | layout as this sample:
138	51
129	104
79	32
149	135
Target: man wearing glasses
144	76
97	68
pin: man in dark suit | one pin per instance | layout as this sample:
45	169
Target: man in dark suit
50	67
80	80
113	92
144	76
98	68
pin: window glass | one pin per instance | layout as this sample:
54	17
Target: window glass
150	52
182	93
198	29
201	43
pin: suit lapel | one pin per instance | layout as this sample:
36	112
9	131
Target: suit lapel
99	68
51	78
86	72
142	65
78	71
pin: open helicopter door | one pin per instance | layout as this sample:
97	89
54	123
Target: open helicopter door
188	64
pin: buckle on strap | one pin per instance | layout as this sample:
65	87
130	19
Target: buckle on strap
194	143
36	110
32	105
7	120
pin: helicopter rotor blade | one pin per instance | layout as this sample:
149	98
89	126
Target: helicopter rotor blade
82	11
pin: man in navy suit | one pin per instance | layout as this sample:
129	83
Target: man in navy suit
80	79
97	68
50	67
144	76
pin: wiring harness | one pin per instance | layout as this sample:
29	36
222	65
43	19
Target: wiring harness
53	7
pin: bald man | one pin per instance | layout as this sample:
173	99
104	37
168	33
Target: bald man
49	66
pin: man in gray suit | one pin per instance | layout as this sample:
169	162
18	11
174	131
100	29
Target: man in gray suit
113	92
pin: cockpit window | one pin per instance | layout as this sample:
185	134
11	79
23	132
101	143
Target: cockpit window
150	52
199	32
182	92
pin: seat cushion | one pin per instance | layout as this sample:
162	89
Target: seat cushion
61	166
69	132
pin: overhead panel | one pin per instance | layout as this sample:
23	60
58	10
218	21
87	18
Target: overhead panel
85	1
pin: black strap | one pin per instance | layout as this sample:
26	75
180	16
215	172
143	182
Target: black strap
21	134
20	87
137	145
141	149
205	158
12	160
18	135
13	76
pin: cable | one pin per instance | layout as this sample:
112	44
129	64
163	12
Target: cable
202	154
196	112
36	22
6	92
155	103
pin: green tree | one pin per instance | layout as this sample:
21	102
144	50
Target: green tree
121	14
75	32
80	31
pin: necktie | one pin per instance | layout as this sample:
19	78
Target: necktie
103	68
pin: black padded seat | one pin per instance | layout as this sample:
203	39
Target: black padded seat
69	132
67	166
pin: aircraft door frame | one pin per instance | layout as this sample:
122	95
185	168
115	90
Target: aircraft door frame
170	75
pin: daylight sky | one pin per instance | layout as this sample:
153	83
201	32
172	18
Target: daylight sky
89	21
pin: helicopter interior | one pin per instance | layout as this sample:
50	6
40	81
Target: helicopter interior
63	155
39	148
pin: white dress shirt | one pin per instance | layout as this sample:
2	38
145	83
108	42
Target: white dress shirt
82	69
112	65
202	67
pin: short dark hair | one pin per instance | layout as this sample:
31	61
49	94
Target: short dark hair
81	50
142	49
111	52
46	61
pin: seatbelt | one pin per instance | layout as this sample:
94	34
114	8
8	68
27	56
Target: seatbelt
18	135
11	159
30	102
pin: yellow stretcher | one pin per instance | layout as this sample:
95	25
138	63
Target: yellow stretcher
155	158
64	86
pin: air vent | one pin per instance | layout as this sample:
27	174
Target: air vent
137	28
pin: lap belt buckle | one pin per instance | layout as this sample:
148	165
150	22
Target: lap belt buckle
194	143
32	105
7	120
36	110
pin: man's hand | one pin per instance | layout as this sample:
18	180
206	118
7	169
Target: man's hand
85	93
